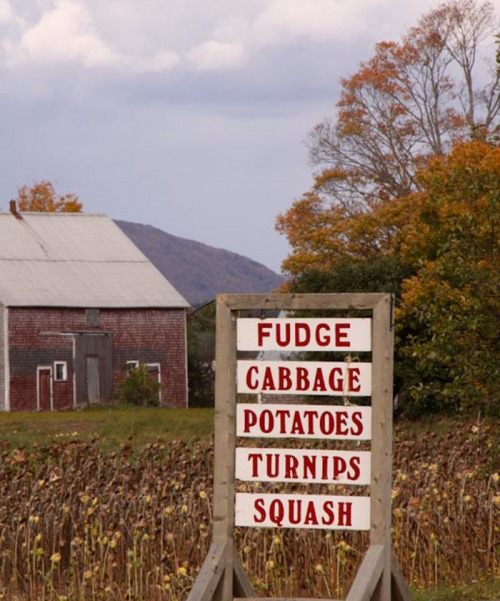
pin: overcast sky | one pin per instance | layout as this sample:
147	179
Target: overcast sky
189	115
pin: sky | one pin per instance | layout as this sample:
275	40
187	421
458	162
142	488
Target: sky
188	115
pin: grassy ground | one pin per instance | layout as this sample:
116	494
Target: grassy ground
111	426
446	479
473	592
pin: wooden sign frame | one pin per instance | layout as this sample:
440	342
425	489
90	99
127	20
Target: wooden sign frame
222	577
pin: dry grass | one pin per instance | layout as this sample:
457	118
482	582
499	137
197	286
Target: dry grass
79	523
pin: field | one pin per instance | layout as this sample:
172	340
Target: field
116	505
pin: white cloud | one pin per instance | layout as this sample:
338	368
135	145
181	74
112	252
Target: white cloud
215	56
5	10
66	33
130	35
317	20
156	36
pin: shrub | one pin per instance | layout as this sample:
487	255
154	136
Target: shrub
139	388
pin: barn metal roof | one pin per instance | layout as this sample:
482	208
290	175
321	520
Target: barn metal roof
76	260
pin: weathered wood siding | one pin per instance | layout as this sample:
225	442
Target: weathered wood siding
41	336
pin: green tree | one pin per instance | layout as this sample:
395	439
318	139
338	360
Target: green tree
450	308
201	356
42	197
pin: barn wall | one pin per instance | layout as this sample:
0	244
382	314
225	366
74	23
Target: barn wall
145	335
151	336
29	349
3	366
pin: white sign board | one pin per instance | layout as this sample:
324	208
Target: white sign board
312	466
302	511
304	334
305	378
335	422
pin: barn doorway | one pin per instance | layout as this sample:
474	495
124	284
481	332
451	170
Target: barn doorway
44	388
154	372
93	368
93	386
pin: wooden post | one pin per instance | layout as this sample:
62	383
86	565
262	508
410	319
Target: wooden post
382	399
225	423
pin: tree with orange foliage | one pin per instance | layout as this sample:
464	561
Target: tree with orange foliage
406	200
42	197
412	100
440	256
450	307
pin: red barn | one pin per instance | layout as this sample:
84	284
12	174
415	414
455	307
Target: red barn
80	305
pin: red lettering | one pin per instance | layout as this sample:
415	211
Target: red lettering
266	421
326	423
263	331
302	379
250	419
324	465
260	508
329	519
294	515
310	518
319	382
297	427
276	512
291	464
335	380
340	335
268	382
255	458
322	340
345	514
272	467
353	379
309	415
282	414
354	464
306	334
342	423
309	470
251	383
357	419
285	381
339	467
283	340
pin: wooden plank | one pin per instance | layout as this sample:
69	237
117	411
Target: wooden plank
382	396
225	418
304	334
399	588
338	378
322	425
210	574
368	575
276	302
224	443
241	584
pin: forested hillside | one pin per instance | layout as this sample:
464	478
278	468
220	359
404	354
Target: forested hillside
198	271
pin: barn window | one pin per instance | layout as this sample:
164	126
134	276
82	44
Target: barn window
93	318
60	371
131	365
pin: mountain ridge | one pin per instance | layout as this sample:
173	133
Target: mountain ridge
199	271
